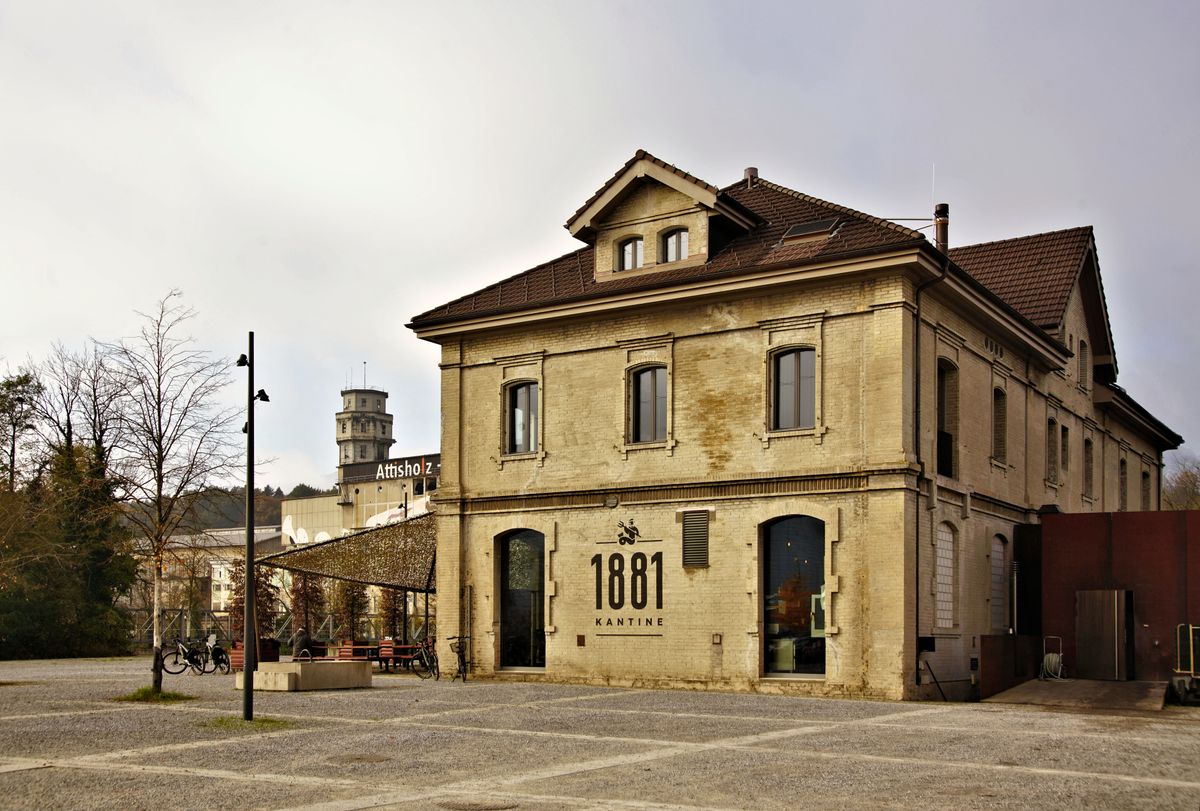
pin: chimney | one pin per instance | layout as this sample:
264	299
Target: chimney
941	226
751	176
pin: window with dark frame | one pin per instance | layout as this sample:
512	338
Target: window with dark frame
648	404
1052	451
1088	468
521	420
947	418
675	245
794	389
1122	486
630	254
999	425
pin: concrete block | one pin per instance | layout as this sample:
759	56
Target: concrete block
295	676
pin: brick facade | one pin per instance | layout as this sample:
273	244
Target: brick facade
859	468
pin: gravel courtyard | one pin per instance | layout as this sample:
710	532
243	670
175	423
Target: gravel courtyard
64	743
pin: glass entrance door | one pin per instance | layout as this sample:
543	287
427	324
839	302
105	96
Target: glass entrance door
794	595
522	597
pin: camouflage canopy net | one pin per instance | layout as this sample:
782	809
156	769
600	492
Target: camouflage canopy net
396	556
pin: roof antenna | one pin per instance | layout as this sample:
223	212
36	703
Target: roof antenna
364	374
933	186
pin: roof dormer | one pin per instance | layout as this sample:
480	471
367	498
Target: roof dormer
652	216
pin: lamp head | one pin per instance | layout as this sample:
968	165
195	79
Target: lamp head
243	360
262	395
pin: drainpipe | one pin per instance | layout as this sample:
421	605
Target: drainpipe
942	219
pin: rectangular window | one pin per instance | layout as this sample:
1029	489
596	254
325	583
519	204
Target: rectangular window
695	538
648	405
999	425
794	390
943	581
522	421
1122	486
1064	449
1052	451
1088	468
1145	490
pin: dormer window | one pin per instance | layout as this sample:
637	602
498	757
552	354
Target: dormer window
630	254
675	245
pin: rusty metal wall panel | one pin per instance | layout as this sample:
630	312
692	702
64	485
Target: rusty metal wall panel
1102	634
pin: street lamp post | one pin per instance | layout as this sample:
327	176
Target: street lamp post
249	634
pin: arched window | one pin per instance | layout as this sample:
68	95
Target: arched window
945	562
521	418
674	246
947	418
999	594
648	404
793	556
630	254
1085	367
793	389
522	597
999	425
1052	451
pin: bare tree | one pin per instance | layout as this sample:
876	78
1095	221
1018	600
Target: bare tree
1181	490
174	441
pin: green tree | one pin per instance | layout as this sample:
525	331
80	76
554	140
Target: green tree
349	606
308	601
19	394
266	601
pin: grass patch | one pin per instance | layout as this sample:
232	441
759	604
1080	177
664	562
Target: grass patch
258	724
148	696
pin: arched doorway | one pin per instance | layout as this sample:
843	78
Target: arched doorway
522	597
793	589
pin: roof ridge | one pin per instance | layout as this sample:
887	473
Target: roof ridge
808	198
641	154
1058	232
501	282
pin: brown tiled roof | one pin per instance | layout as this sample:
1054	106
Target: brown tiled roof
1034	274
571	277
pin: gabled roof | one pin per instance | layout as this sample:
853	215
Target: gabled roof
571	277
1034	274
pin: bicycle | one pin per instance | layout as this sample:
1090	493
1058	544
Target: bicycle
424	660
207	659
181	657
215	655
460	646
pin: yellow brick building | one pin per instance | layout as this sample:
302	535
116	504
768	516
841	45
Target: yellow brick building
746	438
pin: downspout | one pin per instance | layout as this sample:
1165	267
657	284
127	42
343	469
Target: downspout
941	217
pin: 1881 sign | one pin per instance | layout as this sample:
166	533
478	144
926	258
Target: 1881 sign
628	580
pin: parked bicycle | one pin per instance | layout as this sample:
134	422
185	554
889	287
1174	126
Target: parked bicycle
460	645
424	661
206	657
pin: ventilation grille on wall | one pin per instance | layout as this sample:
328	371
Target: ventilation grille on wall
695	538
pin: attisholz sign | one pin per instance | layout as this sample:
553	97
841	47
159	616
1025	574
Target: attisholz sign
410	467
629	586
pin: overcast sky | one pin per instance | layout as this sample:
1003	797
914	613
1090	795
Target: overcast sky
321	172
